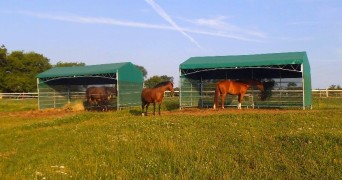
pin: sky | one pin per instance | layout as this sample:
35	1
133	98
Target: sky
161	34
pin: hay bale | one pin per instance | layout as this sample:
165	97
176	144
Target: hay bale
74	106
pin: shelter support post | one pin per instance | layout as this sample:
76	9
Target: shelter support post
38	93
69	96
303	86
117	92
201	93
180	88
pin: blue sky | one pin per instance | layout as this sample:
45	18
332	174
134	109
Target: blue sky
160	35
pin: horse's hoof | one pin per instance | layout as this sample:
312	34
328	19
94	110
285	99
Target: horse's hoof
142	114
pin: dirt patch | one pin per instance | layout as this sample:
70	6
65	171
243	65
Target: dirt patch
62	112
210	111
39	113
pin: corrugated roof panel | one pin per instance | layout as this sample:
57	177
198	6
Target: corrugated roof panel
81	70
244	60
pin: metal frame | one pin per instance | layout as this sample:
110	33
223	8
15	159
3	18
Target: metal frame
108	76
288	67
293	68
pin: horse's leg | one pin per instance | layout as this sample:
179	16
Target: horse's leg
154	109
106	107
143	104
240	100
147	104
223	97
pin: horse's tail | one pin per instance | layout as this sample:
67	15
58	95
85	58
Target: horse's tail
217	94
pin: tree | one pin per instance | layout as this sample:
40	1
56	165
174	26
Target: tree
291	85
69	64
3	55
154	80
20	69
333	87
143	70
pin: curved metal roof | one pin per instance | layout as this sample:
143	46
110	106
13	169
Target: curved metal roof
245	60
126	71
81	70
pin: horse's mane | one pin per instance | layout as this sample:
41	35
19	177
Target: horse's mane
161	84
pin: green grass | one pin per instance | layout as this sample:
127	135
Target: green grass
15	105
187	144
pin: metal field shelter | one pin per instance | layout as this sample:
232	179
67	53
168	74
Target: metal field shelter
289	72
60	85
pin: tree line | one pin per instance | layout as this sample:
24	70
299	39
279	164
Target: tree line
335	87
18	70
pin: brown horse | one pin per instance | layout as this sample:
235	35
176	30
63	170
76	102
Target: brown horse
100	96
235	88
155	95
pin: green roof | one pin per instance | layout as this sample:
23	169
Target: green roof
245	60
82	70
255	60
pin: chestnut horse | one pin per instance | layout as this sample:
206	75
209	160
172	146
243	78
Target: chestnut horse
155	95
100	96
235	88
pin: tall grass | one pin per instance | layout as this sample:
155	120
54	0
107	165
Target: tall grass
187	144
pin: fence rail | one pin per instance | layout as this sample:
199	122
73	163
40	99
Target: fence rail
18	95
322	93
327	93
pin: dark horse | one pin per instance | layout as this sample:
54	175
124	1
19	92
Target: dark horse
235	88
100	96
155	95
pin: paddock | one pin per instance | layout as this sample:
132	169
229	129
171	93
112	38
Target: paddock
60	85
289	71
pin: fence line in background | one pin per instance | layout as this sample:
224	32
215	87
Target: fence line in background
19	95
322	93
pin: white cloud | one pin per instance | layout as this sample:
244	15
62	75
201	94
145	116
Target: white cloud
165	16
115	22
220	25
94	20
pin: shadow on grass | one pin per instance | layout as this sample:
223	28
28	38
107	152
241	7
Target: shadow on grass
135	112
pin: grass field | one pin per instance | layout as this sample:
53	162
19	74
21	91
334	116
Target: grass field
180	144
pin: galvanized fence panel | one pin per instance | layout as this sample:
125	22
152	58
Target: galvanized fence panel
200	93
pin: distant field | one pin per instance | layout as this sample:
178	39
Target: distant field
180	144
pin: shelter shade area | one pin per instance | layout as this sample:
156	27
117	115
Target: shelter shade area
289	74
61	85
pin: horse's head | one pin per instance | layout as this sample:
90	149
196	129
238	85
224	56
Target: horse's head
170	88
111	92
165	86
260	86
268	86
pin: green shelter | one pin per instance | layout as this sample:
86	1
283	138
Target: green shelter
60	85
289	71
